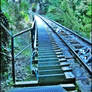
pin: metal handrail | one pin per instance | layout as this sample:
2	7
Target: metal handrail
22	50
24	31
11	35
12	46
35	40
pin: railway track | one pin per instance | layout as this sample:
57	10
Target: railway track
80	47
53	62
53	67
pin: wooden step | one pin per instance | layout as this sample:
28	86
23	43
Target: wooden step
69	75
48	59
59	53
60	56
64	63
46	53
26	83
58	50
66	68
70	78
68	87
51	79
53	88
62	60
46	56
50	67
53	71
48	64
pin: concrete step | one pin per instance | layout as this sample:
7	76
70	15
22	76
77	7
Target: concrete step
64	63
59	53
69	75
66	68
58	50
53	42
60	56
45	46
62	60
55	46
53	88
53	71
70	78
51	79
27	83
68	87
46	59
47	56
46	51
73	91
48	63
49	67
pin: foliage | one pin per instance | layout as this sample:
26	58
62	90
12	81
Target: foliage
18	17
34	7
17	14
4	53
74	14
8	10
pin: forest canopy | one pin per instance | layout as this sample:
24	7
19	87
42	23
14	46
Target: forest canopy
74	14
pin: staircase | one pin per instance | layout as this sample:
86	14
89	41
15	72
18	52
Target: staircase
53	67
49	69
53	71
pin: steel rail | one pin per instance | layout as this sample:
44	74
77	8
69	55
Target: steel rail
82	38
67	29
81	62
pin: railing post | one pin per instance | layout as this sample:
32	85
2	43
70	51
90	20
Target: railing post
12	53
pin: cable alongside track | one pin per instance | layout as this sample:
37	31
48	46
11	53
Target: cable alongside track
80	47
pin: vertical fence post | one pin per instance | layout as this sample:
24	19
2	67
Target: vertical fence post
12	52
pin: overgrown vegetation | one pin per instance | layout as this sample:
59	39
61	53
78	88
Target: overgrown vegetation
74	14
5	57
18	19
17	14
